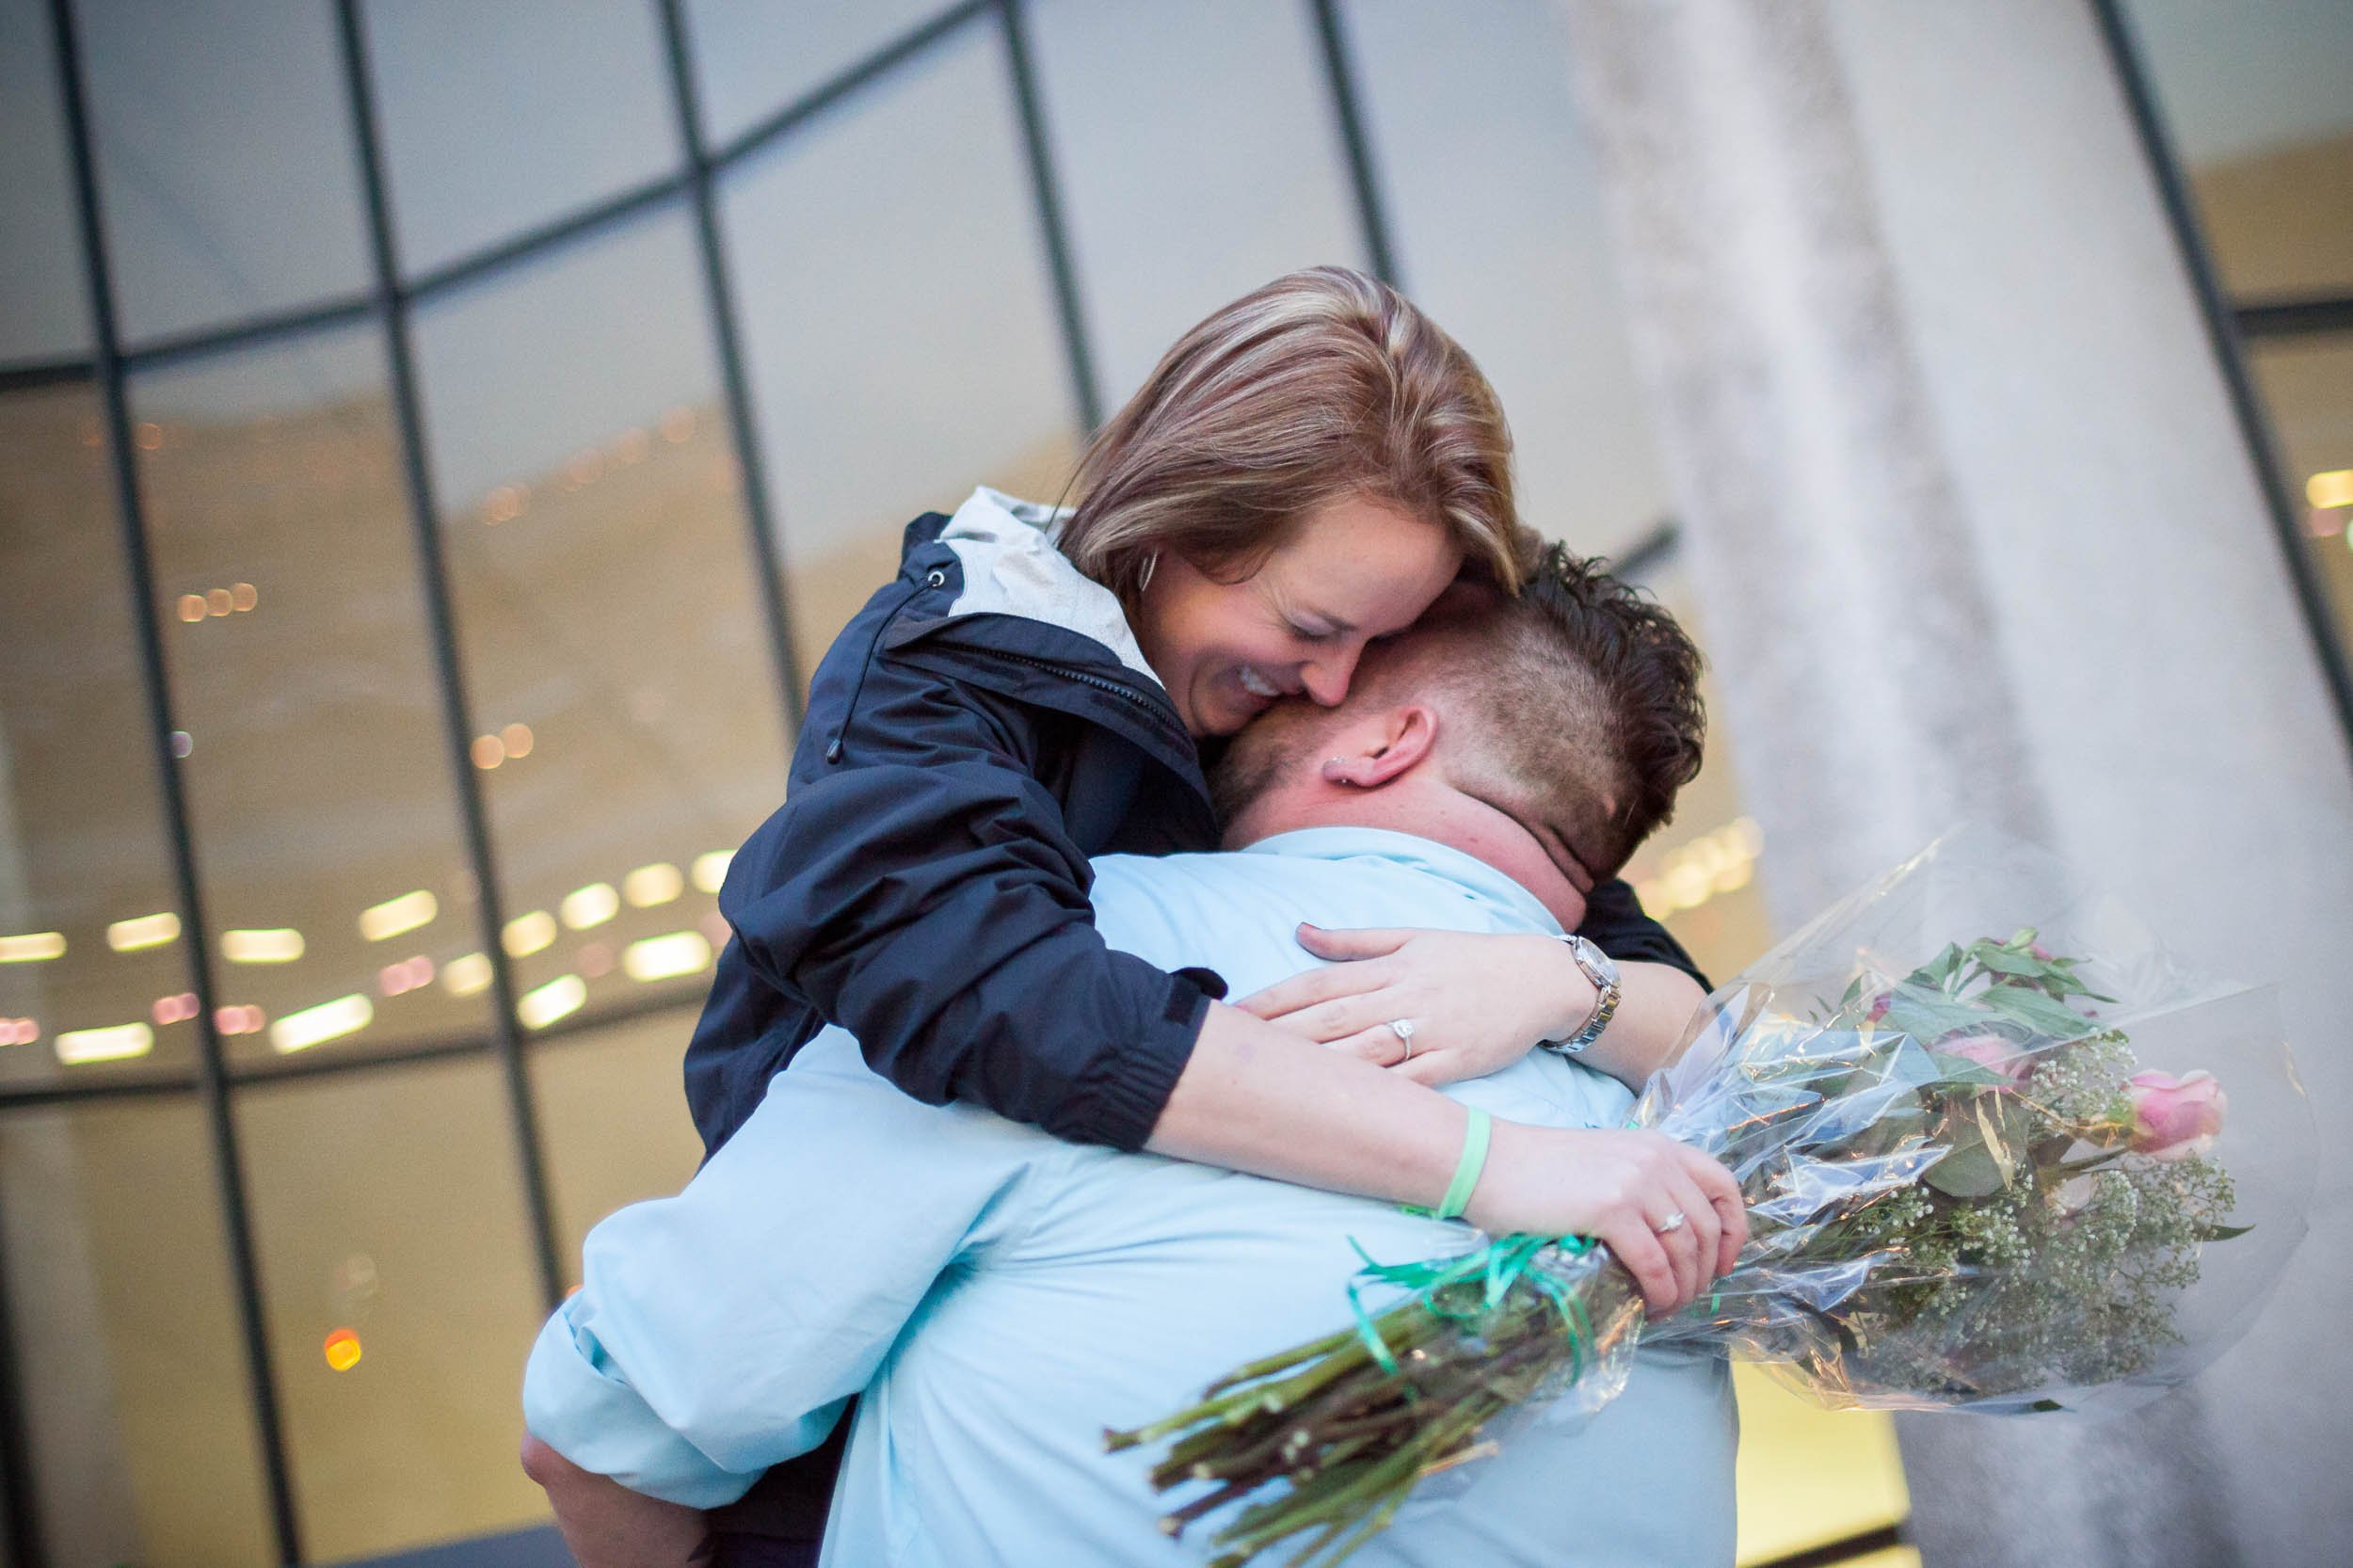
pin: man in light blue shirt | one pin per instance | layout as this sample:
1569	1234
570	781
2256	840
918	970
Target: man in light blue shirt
999	1297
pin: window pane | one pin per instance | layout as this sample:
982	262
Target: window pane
1496	207
616	658
44	310
891	374
2259	100
499	117
94	973
319	781
613	1120
137	1402
226	162
1198	158
2308	383
754	57
390	1229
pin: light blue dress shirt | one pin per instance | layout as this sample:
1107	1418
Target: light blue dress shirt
1000	1297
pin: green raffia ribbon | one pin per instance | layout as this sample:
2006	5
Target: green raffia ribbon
1496	1267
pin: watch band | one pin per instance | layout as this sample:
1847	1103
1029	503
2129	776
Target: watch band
1599	968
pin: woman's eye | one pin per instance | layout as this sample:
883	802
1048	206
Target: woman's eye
1305	635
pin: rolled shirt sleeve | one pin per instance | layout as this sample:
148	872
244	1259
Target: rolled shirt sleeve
720	1332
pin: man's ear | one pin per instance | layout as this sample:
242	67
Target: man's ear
1377	752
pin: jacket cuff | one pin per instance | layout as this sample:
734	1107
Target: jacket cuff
1118	1100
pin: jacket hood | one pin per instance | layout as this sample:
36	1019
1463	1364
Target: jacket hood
1013	567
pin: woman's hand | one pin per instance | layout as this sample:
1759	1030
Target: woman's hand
1476	1002
1620	1188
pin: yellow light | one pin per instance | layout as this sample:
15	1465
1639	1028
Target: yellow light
145	931
1652	896
528	934
592	905
651	885
2332	488
280	946
78	1046
343	1350
328	1020
1734	875
219	601
559	998
467	976
488	752
33	947
244	596
516	738
711	869
1686	886
1749	836
192	608
381	922
667	957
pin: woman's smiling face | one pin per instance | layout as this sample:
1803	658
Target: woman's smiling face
1354	569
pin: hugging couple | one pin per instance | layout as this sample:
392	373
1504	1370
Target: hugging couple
1291	708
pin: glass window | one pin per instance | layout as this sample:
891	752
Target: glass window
44	311
613	1121
754	57
897	321
94	975
1496	210
317	768
1198	158
2259	100
226	162
2308	382
124	1328
618	662
499	117
397	1264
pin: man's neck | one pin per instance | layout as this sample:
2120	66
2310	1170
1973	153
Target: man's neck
1426	811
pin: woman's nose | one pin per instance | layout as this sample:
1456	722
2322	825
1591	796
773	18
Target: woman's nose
1326	680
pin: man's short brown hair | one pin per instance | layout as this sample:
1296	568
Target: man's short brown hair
1584	697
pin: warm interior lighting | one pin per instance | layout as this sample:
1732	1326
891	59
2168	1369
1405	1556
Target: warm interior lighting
486	751
18	1032
328	1020
33	947
528	934
712	870
174	1010
243	1020
559	998
380	922
592	905
192	608
651	885
76	1047
244	596
2333	488
144	931
1723	861
343	1350
281	946
667	957
517	739
468	975
409	974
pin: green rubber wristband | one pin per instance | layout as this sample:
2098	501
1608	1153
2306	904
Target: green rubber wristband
1466	1170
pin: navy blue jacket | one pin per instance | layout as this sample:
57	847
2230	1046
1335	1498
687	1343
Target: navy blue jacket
972	738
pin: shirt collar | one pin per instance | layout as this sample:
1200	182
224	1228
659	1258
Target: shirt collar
1443	861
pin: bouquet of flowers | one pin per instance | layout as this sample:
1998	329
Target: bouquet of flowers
1987	1131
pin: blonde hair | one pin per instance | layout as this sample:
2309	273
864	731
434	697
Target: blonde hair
1321	385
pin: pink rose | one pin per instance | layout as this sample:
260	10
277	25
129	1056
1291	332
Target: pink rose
1879	1005
2039	951
2175	1116
1991	1053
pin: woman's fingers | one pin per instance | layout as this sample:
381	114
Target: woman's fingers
1378	1044
1636	1246
1361	942
1313	987
1723	1193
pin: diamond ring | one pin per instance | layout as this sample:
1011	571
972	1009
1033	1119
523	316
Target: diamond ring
1673	1222
1403	1030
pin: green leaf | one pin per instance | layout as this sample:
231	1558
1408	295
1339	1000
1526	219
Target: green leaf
2003	961
1966	1170
2222	1233
2037	1012
1961	1070
1937	970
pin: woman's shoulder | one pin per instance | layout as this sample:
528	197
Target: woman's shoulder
1006	561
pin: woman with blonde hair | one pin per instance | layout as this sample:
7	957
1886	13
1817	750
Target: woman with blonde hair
1308	469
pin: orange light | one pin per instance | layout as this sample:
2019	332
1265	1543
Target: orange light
516	738
343	1350
488	752
219	601
244	596
192	607
151	437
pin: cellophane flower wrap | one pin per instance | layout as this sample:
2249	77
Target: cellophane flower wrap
2000	1150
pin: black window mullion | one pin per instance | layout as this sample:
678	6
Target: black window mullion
252	1322
1047	191
735	384
457	725
1348	112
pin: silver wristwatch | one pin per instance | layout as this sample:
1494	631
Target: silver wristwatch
1602	971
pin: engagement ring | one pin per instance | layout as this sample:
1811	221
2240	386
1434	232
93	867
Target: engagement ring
1673	1222
1403	1030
